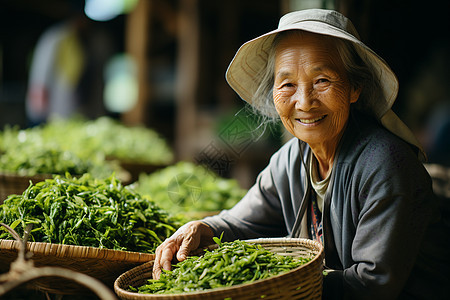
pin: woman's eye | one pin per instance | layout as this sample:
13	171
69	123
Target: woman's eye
322	80
287	85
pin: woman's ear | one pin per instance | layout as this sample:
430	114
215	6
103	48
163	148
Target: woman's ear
354	94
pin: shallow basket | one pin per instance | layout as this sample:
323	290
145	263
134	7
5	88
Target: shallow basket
16	184
304	282
103	264
135	168
440	176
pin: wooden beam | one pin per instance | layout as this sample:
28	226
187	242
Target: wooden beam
187	78
137	42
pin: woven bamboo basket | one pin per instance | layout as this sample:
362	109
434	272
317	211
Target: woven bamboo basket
135	168
304	282
103	264
440	176
16	184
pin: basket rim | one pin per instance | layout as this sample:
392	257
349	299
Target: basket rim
8	174
318	258
79	252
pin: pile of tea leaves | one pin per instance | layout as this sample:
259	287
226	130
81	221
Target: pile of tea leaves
87	211
188	187
230	264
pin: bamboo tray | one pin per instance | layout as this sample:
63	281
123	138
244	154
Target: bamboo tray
16	184
304	282
103	264
134	168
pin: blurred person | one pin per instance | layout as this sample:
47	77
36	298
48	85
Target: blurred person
352	177
67	69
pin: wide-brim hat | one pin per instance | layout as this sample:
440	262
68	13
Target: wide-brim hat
251	59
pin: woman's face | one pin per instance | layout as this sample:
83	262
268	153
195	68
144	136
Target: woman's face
311	91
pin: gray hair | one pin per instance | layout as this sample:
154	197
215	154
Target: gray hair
359	74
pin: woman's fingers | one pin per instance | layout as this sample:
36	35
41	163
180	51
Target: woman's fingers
163	258
166	258
156	266
187	238
185	248
167	250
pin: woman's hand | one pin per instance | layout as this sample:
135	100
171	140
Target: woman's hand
187	238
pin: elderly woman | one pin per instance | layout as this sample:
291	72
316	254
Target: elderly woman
351	177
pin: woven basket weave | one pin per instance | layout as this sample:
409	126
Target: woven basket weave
136	168
16	184
103	264
304	282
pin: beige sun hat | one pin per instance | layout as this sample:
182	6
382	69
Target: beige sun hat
252	57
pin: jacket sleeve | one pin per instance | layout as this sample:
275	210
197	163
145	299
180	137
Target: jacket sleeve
259	213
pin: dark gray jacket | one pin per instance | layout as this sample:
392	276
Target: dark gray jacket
379	215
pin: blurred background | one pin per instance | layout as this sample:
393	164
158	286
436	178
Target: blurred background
161	64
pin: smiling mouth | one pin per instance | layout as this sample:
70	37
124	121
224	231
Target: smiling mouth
311	121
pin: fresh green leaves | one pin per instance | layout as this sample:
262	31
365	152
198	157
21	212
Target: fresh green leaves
31	151
232	263
218	240
78	146
186	187
88	212
110	138
29	160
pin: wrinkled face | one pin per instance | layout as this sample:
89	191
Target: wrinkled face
311	91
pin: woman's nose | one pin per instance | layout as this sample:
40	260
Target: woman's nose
304	99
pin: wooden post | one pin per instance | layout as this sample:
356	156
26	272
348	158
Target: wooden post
137	43
229	32
187	79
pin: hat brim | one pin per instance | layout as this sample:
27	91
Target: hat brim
252	57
